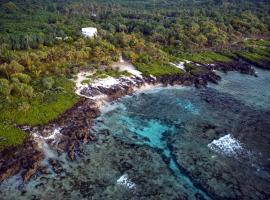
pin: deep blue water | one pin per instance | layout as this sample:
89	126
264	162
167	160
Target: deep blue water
171	143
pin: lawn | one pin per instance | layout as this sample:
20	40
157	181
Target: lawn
157	69
206	57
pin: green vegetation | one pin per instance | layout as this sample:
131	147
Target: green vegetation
255	58
42	47
257	52
42	108
157	69
34	85
258	43
176	25
10	136
110	72
101	74
38	110
206	57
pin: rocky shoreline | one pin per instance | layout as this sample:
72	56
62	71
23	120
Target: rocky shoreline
70	131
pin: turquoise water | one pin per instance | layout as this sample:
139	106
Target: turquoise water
153	133
170	143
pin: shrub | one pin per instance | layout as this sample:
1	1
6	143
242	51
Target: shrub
5	87
48	82
157	69
24	78
10	7
15	67
24	107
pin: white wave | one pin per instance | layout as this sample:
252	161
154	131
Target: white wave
42	144
126	182
227	145
43	141
55	134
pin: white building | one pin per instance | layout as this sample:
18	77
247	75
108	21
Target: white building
89	32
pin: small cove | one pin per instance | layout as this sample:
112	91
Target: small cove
159	138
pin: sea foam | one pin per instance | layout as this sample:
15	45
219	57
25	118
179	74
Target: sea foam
228	146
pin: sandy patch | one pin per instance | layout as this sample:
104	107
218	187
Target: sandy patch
123	65
82	76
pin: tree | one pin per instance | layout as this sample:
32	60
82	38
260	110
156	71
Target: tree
4	70
24	107
48	82
201	40
15	67
194	28
79	44
22	89
36	70
23	78
10	7
5	87
27	90
6	55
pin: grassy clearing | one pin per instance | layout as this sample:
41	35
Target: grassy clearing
254	56
206	57
42	109
157	69
10	136
111	72
256	52
106	73
36	111
263	43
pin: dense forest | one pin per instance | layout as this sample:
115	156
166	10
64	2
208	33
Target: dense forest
42	47
181	24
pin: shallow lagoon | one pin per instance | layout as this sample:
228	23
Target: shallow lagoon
171	143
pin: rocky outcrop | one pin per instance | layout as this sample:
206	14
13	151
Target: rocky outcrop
74	125
26	158
235	65
56	166
263	64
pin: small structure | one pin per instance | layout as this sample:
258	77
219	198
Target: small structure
61	38
89	32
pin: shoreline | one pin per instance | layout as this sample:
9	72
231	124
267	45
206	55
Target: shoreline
69	132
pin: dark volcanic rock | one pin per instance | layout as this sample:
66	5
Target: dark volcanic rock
263	64
77	121
56	166
26	157
236	65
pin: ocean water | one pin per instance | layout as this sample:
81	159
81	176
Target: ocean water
170	143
